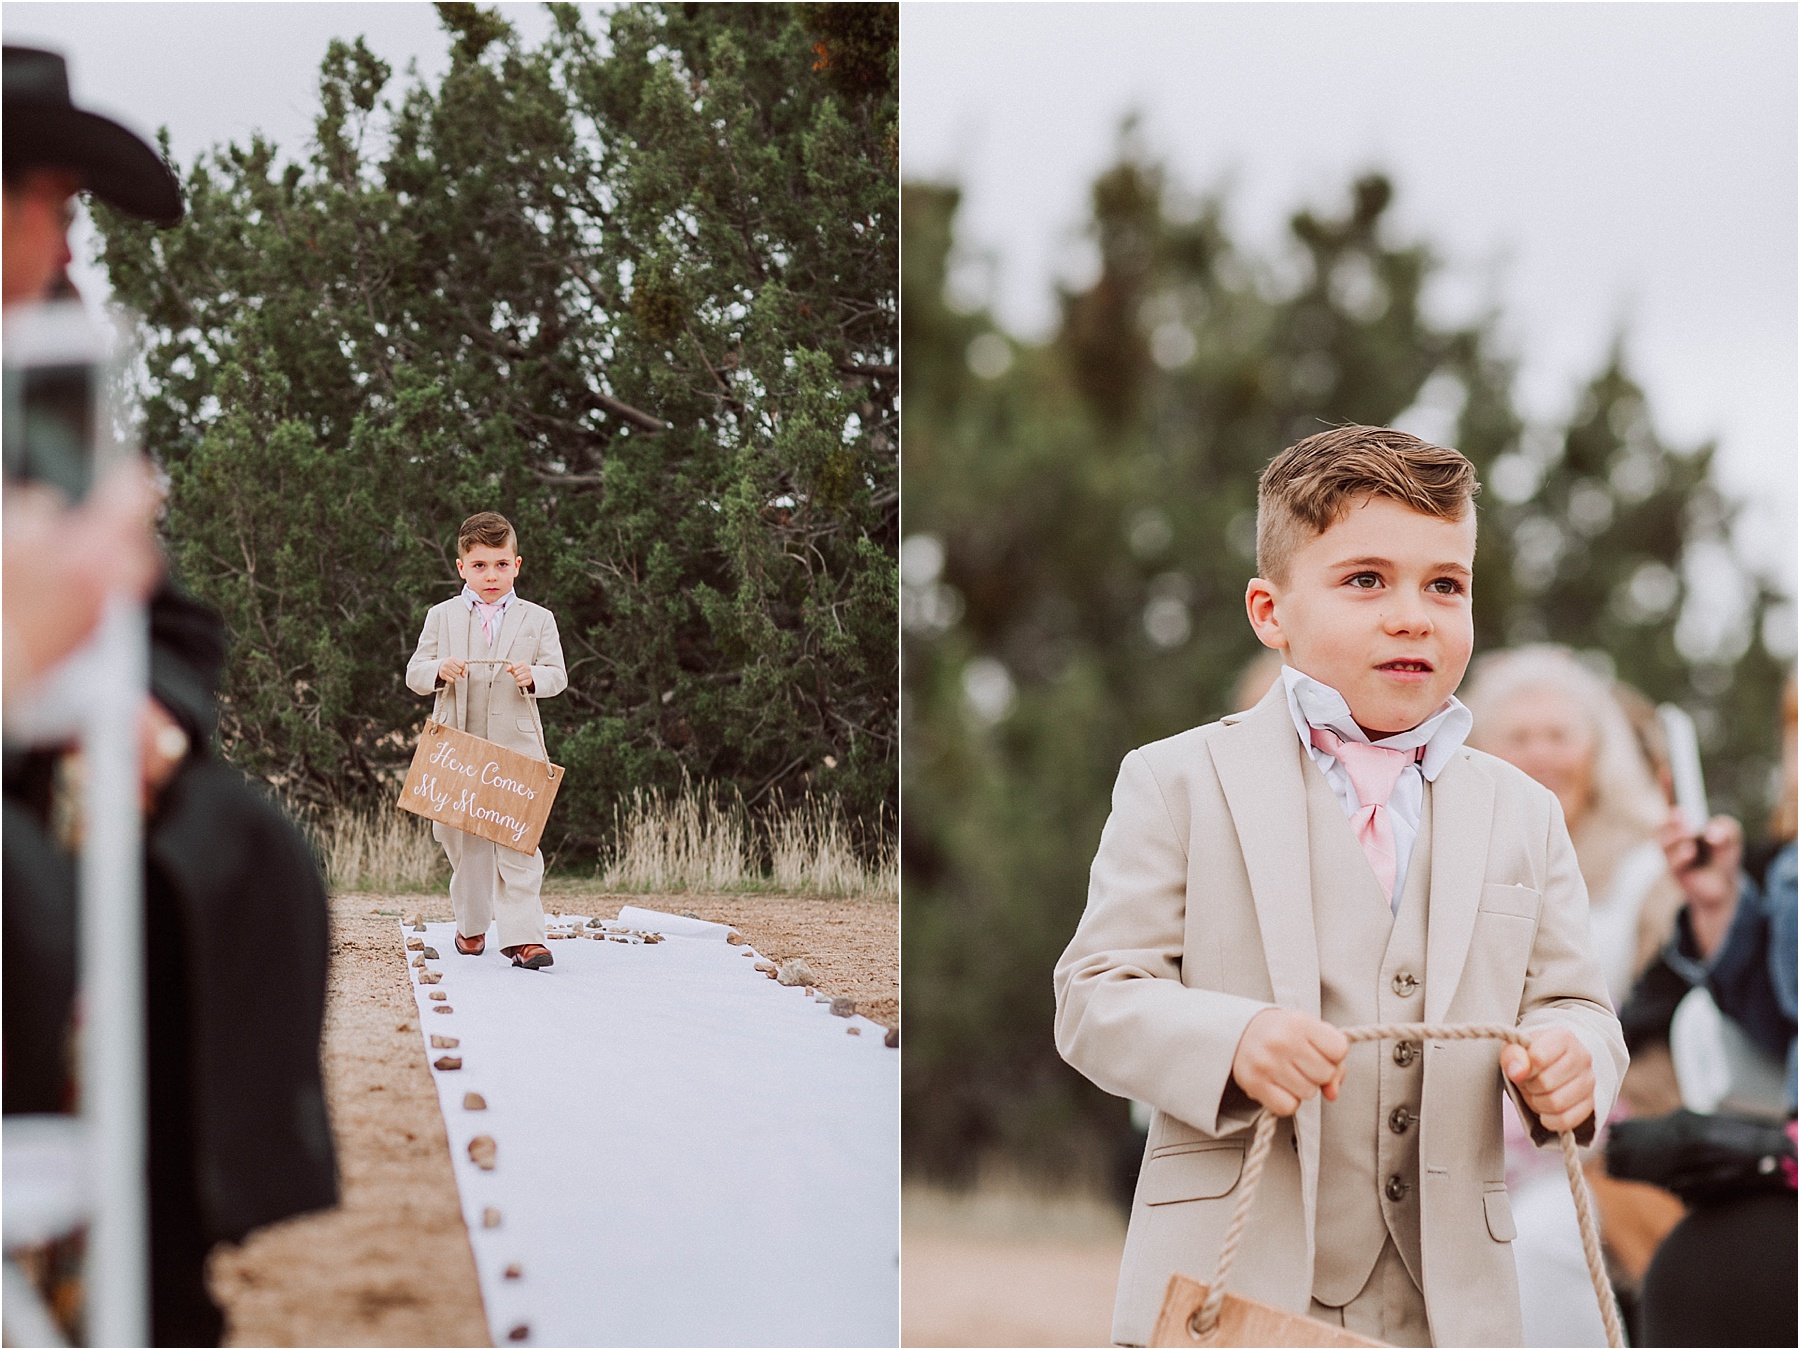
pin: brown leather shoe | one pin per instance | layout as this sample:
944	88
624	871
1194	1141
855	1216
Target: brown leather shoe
474	946
530	955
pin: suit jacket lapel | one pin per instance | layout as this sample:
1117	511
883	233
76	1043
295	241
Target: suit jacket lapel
1462	819
509	628
457	619
1261	770
1259	766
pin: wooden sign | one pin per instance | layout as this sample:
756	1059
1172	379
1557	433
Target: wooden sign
484	789
1242	1321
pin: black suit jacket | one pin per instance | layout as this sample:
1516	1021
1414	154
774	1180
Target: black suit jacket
237	946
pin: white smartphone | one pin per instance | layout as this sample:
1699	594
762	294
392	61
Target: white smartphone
1684	765
54	377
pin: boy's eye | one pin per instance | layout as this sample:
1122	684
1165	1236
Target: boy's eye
1365	581
1447	586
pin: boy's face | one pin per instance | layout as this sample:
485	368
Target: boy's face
490	572
1377	607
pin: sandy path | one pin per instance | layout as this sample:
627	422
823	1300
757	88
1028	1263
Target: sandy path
990	1291
1005	1265
391	1265
853	946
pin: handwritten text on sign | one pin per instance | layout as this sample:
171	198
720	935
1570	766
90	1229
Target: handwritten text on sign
474	785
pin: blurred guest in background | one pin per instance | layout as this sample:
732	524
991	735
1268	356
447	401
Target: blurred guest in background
1735	937
238	1134
75	556
1652	741
1541	709
1725	1275
1253	681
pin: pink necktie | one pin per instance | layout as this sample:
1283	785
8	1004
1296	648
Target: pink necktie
488	614
1373	772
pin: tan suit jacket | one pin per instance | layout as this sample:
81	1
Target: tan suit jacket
1200	915
527	633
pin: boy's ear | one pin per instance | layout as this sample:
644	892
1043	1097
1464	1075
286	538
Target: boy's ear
459	569
1259	603
518	562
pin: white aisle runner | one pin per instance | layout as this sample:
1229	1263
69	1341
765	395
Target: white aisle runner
685	1152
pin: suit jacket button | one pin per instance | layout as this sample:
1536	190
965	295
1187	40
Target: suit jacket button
1399	1119
1405	1053
1404	984
1396	1189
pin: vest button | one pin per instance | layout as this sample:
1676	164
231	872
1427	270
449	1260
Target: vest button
1398	1119
1405	1053
1396	1189
1404	984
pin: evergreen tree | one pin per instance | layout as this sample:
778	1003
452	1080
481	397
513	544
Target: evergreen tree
638	294
1080	520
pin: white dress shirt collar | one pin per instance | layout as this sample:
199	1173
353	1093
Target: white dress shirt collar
471	599
1313	703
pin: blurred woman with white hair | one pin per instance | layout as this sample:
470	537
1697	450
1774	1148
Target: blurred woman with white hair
1542	710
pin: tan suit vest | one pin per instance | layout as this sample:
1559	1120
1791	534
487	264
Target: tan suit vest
478	684
487	702
1371	969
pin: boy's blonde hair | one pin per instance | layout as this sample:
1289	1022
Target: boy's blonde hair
487	529
1309	486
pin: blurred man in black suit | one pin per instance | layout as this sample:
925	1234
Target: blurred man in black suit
238	1132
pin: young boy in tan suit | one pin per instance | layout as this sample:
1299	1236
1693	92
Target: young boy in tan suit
1336	856
490	622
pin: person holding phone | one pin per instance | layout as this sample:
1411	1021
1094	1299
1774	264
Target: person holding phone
235	1094
77	554
1736	935
1725	1275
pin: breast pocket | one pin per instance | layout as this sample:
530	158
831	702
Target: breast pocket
1505	928
1198	1171
1522	902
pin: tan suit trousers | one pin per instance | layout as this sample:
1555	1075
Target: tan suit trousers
1390	1307
490	884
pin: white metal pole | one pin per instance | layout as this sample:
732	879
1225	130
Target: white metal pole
113	1080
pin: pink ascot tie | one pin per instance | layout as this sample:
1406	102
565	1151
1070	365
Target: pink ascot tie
1373	772
490	615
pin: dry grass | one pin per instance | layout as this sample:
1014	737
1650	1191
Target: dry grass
688	842
378	850
812	852
695	840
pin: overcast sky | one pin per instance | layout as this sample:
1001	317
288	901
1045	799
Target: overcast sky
1591	167
213	73
216	72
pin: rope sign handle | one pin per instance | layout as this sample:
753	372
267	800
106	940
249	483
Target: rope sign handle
1205	1321
443	693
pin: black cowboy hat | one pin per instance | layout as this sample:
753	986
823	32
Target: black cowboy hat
44	129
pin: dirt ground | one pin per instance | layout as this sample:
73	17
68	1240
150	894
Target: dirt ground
1002	1265
391	1265
853	946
